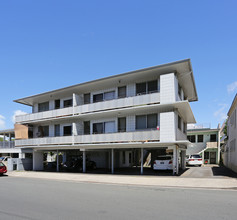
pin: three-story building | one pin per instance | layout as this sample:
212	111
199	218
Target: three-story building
116	120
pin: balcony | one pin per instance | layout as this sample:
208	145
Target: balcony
90	108
123	137
7	144
211	145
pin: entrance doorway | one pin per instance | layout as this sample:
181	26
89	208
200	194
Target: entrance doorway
212	157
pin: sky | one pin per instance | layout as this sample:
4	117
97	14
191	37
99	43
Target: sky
50	44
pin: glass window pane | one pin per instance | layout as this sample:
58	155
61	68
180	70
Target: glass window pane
122	92
87	127
109	127
43	106
57	104
140	88
152	121
122	124
67	103
200	138
98	128
67	130
152	86
43	131
98	97
87	98
213	138
109	95
141	122
56	130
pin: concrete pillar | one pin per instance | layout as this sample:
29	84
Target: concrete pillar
174	160
84	161
141	160
38	160
9	141
64	157
177	160
57	162
183	156
112	161
22	155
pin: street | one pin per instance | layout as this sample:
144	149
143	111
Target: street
28	198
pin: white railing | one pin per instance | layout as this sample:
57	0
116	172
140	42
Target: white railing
7	144
93	107
136	136
45	115
119	103
211	144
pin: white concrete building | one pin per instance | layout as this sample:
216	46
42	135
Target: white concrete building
229	152
115	120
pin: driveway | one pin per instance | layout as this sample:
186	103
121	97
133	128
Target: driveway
208	171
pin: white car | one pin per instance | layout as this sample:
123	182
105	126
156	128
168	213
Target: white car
164	162
194	160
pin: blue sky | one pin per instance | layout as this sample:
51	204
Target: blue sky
49	44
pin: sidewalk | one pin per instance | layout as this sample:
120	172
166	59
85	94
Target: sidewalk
173	181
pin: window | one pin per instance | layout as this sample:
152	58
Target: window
146	87
184	127
98	97
152	86
57	104
122	92
152	121
43	131
43	106
141	122
98	128
146	121
87	127
67	103
213	138
56	130
109	95
200	138
122	124
179	122
67	130
192	138
87	98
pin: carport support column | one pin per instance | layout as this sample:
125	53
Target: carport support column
57	162
141	161
112	161
183	159
174	159
84	161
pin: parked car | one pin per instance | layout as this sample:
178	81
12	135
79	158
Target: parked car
75	165
164	162
194	160
3	168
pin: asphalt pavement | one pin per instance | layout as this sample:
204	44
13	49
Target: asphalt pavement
34	199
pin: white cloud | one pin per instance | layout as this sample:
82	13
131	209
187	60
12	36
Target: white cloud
232	87
221	113
17	112
2	122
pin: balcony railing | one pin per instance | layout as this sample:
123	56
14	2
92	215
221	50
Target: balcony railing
93	107
211	144
7	144
123	137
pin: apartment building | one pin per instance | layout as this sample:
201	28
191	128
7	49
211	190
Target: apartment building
205	142
116	120
229	153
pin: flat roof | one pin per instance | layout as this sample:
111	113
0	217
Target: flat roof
182	68
202	130
7	131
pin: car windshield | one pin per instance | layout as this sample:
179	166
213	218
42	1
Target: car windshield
1	164
196	156
164	158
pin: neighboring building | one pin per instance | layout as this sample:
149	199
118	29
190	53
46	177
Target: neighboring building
8	149
206	142
116	121
229	150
